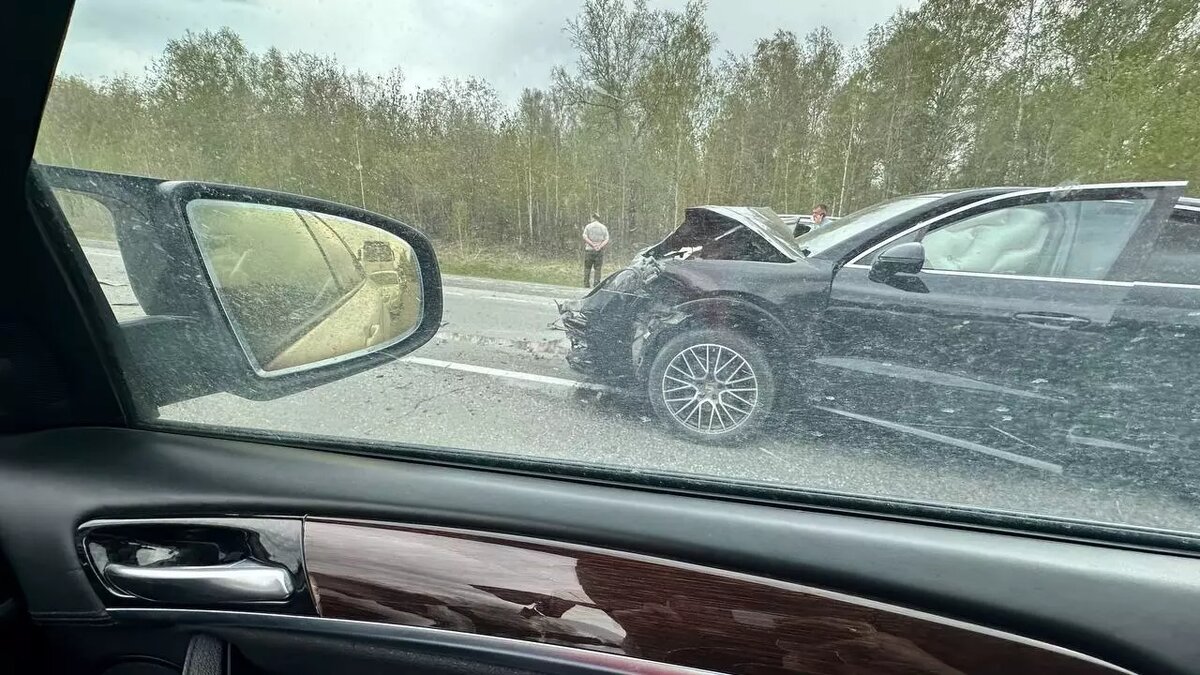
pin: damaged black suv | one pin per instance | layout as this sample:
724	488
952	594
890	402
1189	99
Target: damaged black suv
1007	321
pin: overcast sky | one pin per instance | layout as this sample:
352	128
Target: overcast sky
510	43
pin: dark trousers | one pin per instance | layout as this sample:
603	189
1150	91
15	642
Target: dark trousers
592	260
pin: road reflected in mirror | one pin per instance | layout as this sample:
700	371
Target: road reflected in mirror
302	288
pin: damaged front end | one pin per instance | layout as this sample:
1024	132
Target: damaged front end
611	327
599	325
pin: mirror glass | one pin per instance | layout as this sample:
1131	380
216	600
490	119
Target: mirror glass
303	288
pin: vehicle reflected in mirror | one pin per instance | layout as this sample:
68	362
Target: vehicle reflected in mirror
301	288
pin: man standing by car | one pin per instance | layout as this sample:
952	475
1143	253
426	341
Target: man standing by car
595	240
819	214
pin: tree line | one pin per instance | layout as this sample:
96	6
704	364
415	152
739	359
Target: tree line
652	118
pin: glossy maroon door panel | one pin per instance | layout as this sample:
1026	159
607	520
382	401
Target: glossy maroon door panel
646	607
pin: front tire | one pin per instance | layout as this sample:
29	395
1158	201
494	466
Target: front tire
712	386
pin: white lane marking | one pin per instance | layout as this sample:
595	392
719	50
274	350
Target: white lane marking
547	302
498	372
1106	444
107	254
518	287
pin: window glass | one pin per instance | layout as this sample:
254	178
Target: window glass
1176	256
1101	230
261	261
93	224
502	130
90	220
857	223
1078	240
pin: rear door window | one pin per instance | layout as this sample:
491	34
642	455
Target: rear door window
1099	231
1176	255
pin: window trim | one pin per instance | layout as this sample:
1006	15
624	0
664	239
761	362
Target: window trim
1165	284
1018	277
328	251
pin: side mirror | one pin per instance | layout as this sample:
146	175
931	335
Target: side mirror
900	259
259	293
290	286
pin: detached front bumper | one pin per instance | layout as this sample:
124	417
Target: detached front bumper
574	322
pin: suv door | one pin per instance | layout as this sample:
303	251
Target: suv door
1142	409
988	348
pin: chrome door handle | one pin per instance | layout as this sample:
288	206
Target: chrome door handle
242	581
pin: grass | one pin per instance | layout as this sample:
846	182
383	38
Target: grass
510	265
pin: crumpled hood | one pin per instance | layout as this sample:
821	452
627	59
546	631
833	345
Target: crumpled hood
729	233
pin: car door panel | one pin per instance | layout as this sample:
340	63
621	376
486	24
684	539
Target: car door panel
651	608
995	362
1068	593
1142	409
972	357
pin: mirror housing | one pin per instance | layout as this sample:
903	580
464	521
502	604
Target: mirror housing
187	344
906	258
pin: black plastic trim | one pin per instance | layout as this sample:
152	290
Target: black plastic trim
496	650
1116	535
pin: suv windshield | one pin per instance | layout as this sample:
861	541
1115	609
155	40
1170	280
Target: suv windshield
820	239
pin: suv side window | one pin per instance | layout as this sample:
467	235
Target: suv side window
341	261
1075	240
1176	255
1103	228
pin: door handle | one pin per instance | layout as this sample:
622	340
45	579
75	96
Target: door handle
1052	320
242	581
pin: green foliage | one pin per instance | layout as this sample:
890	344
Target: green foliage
646	122
503	262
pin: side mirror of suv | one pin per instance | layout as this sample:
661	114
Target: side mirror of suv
253	292
900	259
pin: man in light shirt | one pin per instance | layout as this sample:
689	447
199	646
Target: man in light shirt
595	240
820	215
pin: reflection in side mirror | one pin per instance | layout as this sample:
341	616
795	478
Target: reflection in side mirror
900	259
302	288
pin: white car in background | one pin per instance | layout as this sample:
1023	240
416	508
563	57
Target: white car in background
800	223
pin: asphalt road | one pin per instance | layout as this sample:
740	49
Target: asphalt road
494	380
